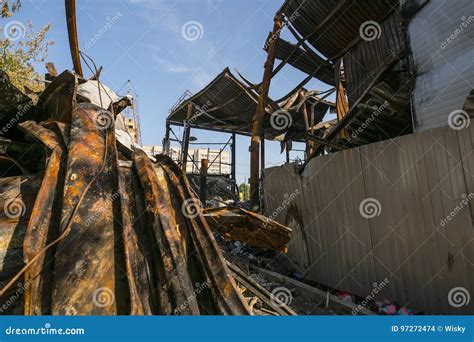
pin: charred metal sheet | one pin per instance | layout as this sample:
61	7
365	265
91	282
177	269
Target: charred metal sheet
188	256
248	227
139	251
57	101
88	269
305	62
17	196
368	60
103	238
43	222
332	27
226	105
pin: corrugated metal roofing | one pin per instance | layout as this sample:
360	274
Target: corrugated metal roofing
226	104
369	59
332	26
301	60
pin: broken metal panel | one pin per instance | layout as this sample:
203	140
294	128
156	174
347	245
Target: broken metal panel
305	62
44	219
223	104
16	203
226	105
250	228
337	22
93	267
205	262
57	101
441	58
89	248
367	60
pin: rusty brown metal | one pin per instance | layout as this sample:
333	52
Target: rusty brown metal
248	227
106	235
72	35
41	227
203	181
187	131
187	252
94	267
257	122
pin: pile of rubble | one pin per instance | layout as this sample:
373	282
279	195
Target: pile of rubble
91	224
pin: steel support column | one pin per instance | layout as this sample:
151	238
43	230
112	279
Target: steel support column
186	134
257	122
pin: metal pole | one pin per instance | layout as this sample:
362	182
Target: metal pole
186	134
203	183
72	34
257	122
166	140
233	163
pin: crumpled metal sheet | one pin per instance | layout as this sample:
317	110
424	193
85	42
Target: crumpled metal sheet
109	236
248	227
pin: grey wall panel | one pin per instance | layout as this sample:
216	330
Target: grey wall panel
418	180
441	38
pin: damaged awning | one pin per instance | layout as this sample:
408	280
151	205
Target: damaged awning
227	105
311	64
332	27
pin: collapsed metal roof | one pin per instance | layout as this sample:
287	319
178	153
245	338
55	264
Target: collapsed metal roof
332	27
228	105
311	64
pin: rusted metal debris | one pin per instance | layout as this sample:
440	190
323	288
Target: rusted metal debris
99	228
253	229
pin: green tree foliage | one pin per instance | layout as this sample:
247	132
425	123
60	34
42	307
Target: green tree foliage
20	47
244	191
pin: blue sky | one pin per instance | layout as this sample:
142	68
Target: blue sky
145	44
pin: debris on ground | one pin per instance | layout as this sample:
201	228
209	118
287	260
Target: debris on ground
256	230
